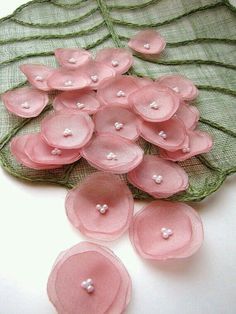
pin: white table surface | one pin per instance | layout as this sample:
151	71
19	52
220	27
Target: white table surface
34	229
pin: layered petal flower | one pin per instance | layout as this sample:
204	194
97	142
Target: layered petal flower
158	177
189	115
166	230
89	278
67	130
25	102
118	121
37	75
154	104
112	153
80	100
72	58
118	58
199	143
147	42
96	210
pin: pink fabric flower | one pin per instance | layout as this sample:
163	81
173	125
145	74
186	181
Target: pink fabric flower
112	153
199	143
170	135
37	75
117	90
25	102
98	212
189	115
118	58
166	230
143	81
147	42
118	121
17	148
67	130
154	104
158	177
180	84
80	100
72	58
89	278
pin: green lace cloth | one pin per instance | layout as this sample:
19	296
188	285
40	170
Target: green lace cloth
200	35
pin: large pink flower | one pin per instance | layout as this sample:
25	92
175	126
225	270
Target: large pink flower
166	230
72	58
96	210
158	177
88	279
112	153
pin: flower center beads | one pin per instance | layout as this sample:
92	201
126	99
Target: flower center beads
120	93
56	151
157	178
118	125
162	134
72	60
67	132
80	105
146	46
88	285
176	89
94	78
114	63
68	83
185	149
102	208
25	105
39	78
166	233
111	156
154	105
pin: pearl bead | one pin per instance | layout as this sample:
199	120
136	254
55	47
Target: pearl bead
84	284
118	125
162	134
114	63
25	105
94	78
120	93
67	132
146	46
105	206
186	150
39	78
98	206
176	89
154	105
68	83
80	106
56	151
72	60
90	289
89	281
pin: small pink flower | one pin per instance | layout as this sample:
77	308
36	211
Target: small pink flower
118	58
147	42
189	115
143	81
67	130
180	84
166	230
25	102
170	135
112	153
118	121
199	143
37	75
79	100
72	58
89	278
154	104
158	177
98	212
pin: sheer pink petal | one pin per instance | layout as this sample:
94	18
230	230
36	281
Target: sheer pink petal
189	115
67	130
118	121
143	81
40	152
37	75
118	58
18	151
115	211
80	100
72	58
112	153
25	102
147	42
166	230
158	177
117	90
180	84
170	135
110	281
154	104
68	80
199	143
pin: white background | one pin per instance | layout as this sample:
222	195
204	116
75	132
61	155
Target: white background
34	229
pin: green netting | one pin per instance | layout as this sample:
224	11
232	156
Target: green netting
201	37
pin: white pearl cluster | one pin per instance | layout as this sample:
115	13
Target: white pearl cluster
176	89
68	83
94	78
146	46
67	132
114	63
56	151
185	149
39	78
88	285
111	156
80	105
72	60
154	105
120	93
118	126
157	178
162	134
166	233
25	105
102	208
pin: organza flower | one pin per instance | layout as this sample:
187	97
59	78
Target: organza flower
118	121
119	58
72	58
87	279
154	104
166	230
147	42
98	212
67	130
158	177
189	115
25	102
170	135
112	153
180	84
37	75
79	100
199	143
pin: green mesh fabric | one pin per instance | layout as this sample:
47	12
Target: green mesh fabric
200	35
